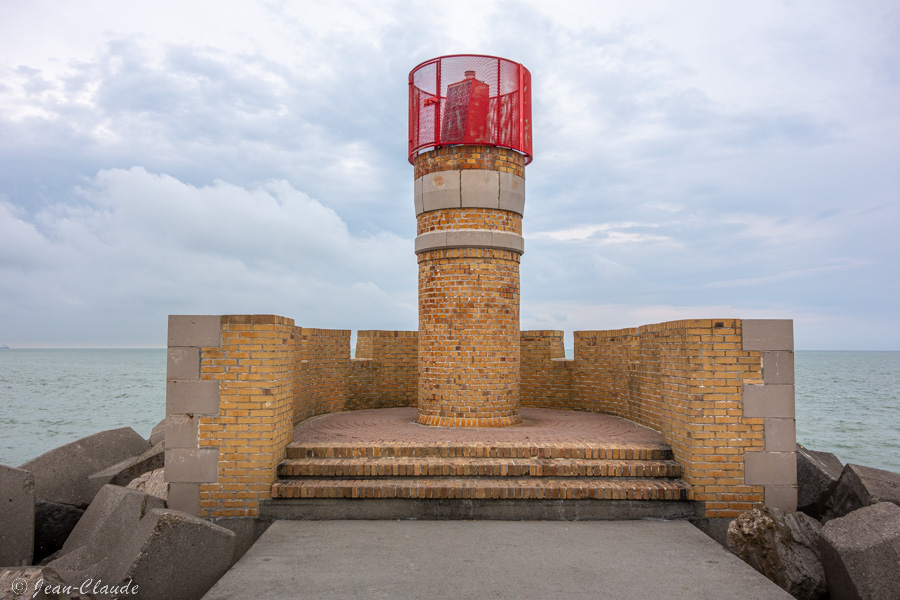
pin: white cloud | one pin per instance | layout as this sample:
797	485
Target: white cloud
692	156
583	232
153	243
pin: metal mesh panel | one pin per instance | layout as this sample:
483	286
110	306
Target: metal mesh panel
469	99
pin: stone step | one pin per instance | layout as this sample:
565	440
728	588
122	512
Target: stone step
475	467
616	451
485	488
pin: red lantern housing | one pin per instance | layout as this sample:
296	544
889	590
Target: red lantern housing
469	99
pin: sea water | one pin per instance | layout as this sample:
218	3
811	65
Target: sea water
52	397
847	403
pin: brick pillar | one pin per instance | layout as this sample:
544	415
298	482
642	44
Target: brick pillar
469	202
229	395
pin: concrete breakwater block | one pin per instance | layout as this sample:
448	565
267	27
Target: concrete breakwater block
16	516
53	522
158	433
171	554
61	475
817	476
861	486
122	473
111	517
783	546
127	537
861	554
153	483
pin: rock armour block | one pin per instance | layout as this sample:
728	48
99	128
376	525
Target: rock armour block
817	476
783	546
61	475
861	554
16	516
861	486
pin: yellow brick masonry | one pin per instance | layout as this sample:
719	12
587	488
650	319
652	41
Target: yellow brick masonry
256	368
681	378
468	361
546	375
469	218
489	158
383	373
273	374
468	338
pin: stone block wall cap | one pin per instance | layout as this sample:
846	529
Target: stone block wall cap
469	188
767	334
195	330
470	238
761	401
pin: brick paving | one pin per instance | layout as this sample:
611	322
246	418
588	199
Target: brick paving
540	426
552	454
475	467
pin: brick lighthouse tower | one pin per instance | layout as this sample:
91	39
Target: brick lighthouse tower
469	140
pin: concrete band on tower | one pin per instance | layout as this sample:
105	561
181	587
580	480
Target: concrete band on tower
469	202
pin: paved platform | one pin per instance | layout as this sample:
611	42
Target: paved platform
539	426
491	559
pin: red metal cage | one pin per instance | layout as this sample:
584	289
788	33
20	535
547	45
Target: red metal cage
469	99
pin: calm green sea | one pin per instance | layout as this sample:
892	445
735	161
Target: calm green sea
848	403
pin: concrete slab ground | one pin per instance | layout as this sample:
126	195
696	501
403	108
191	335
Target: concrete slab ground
491	559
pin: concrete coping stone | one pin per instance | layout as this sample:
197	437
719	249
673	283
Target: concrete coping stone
469	188
470	238
195	330
767	334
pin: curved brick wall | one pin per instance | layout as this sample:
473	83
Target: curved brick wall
469	204
721	392
470	157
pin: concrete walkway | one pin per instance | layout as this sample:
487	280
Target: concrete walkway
491	559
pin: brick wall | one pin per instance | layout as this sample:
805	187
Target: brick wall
469	218
237	385
324	362
719	390
468	338
257	375
490	158
546	375
383	373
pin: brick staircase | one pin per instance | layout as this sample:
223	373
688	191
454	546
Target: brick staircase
479	480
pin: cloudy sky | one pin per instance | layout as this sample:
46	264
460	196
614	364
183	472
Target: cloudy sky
702	159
